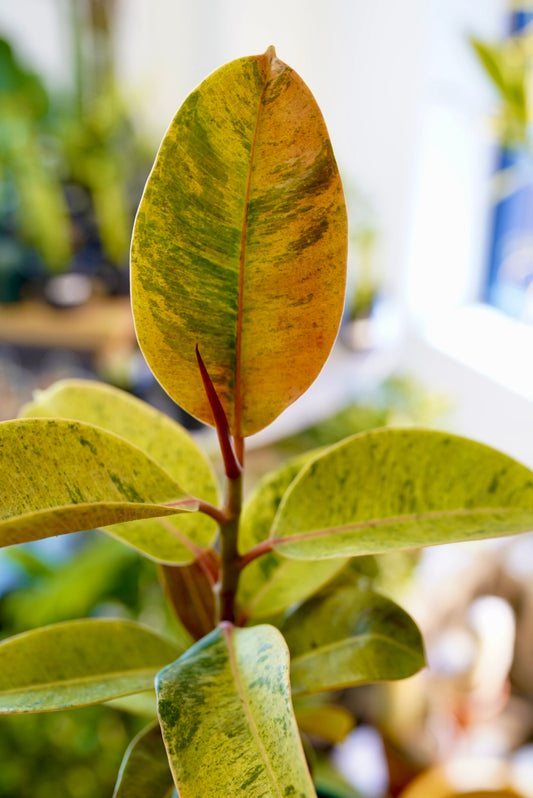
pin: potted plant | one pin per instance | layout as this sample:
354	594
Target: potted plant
238	270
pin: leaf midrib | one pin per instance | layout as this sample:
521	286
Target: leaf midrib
242	262
81	680
14	519
399	519
359	640
229	634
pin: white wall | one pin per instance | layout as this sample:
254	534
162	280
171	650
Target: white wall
362	60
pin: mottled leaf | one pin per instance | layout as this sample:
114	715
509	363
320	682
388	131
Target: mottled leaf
272	583
227	718
145	770
76	663
399	489
158	436
63	476
239	245
346	636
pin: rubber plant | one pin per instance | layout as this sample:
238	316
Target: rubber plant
238	273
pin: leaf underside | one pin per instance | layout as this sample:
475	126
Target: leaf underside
239	245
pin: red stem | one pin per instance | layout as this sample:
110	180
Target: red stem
231	462
257	551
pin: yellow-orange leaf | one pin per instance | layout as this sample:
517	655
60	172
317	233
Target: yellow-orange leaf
240	245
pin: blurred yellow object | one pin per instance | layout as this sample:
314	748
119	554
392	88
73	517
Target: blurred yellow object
466	778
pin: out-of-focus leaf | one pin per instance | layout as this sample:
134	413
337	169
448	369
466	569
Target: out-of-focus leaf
42	215
227	717
492	58
190	592
145	770
508	64
346	636
330	722
239	245
399	489
329	782
472	777
272	583
158	436
63	476
71	589
77	663
143	704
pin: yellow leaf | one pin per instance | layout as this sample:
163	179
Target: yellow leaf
240	245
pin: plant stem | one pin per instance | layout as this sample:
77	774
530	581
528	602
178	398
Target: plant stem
230	567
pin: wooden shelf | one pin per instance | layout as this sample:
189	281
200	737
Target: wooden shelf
88	328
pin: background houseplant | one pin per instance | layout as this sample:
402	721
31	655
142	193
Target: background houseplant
72	163
237	282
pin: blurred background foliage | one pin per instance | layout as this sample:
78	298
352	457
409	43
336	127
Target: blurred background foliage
72	165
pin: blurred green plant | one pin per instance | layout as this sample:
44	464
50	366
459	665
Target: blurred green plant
72	164
30	189
509	66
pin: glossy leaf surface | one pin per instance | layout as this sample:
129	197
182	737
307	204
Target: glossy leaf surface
158	436
272	583
345	636
145	770
63	476
77	663
400	489
227	718
239	245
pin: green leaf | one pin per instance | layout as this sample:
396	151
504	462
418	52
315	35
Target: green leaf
143	704
330	722
160	438
400	489
331	783
239	245
76	663
145	771
272	583
346	636
72	589
227	718
492	59
63	476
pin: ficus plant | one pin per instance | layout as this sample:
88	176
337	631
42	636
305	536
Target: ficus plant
238	273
